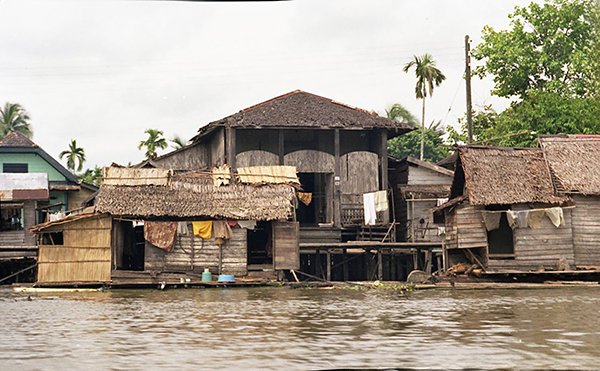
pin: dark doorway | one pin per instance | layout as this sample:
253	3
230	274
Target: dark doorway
260	245
501	240
317	207
129	245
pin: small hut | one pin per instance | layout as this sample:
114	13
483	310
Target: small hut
574	163
503	212
153	225
418	186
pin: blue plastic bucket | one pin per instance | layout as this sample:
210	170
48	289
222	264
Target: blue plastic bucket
226	278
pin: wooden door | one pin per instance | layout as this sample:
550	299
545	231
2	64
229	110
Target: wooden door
286	252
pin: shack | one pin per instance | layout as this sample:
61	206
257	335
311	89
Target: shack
574	163
503	212
418	186
158	225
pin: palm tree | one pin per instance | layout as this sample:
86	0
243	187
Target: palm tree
398	112
74	154
14	118
178	142
153	143
428	77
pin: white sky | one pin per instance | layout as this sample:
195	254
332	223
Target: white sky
102	72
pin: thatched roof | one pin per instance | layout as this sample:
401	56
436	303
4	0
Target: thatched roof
574	162
504	176
194	195
299	109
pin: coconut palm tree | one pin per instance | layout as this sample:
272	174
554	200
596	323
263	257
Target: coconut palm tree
153	143
73	154
398	112
14	118
428	77
178	142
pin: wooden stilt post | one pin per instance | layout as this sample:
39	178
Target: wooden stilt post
345	264
328	265
379	265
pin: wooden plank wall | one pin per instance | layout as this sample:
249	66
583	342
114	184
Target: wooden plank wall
471	232
84	256
427	231
539	247
286	247
311	161
451	236
586	230
195	157
358	174
256	158
193	254
418	175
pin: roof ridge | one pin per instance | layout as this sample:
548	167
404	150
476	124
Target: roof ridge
5	142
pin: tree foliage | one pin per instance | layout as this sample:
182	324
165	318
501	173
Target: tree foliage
547	63
74	154
428	77
92	176
154	142
14	118
177	142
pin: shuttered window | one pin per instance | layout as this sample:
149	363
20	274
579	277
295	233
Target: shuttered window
15	168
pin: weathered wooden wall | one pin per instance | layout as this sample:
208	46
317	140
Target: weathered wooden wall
310	161
586	230
539	247
195	157
216	148
286	245
428	230
76	198
465	228
85	255
418	175
256	158
192	253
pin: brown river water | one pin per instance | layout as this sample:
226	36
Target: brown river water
300	329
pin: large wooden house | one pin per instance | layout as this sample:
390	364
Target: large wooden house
340	152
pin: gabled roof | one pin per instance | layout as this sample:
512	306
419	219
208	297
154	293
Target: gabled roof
503	176
427	165
299	109
574	162
16	139
16	142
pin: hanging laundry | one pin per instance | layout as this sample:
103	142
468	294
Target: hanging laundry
182	229
305	197
222	231
491	219
381	202
202	229
248	224
556	216
535	218
369	208
161	234
517	219
233	223
441	201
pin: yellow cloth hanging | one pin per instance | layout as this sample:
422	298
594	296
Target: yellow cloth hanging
305	197
202	229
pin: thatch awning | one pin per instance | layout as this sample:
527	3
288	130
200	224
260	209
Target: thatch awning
194	195
574	162
504	176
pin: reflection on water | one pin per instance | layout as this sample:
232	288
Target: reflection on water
301	329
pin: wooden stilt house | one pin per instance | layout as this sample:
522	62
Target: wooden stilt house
156	225
574	163
504	213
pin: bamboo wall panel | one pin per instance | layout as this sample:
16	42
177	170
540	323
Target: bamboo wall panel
85	255
310	161
586	230
191	158
358	174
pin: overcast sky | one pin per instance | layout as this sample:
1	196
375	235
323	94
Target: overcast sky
102	72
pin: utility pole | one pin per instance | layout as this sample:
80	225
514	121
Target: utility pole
468	80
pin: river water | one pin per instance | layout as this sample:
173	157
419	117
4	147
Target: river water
300	329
